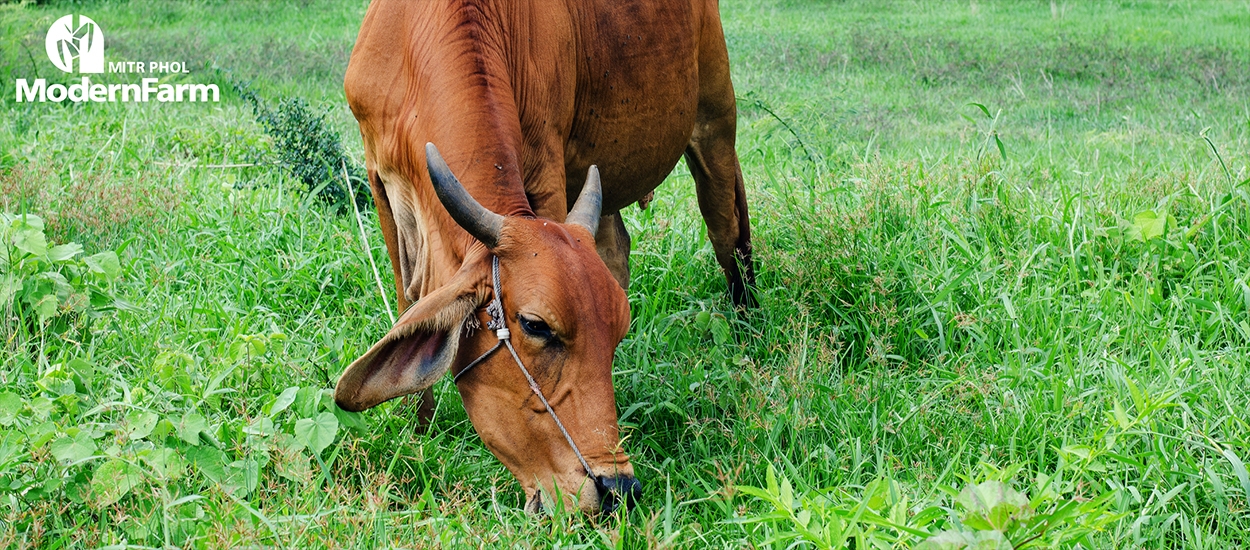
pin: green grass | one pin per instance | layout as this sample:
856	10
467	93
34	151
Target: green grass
933	315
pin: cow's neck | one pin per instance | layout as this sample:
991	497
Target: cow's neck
467	109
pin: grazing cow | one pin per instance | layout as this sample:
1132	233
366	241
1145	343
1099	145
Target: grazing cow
524	98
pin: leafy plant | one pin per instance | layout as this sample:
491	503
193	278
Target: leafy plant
49	287
828	520
986	516
991	133
309	148
992	515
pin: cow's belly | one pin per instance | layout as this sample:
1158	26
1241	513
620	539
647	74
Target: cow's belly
636	98
635	144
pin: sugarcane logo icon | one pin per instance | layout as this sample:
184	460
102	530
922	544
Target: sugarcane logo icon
85	43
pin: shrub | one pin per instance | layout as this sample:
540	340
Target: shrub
307	146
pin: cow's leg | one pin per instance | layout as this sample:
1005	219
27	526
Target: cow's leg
612	243
714	165
722	201
390	234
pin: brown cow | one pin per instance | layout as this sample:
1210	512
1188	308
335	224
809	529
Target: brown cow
523	96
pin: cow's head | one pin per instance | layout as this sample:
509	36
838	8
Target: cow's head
566	315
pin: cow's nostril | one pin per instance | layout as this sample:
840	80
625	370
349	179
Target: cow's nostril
534	506
617	491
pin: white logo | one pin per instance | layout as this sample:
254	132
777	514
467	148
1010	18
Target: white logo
82	47
85	43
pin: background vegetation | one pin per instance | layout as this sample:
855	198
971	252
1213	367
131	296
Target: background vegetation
1004	254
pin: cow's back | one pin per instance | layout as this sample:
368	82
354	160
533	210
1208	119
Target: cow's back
637	94
522	97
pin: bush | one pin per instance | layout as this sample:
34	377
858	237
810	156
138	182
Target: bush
308	148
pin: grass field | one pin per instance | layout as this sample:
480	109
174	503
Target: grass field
1004	256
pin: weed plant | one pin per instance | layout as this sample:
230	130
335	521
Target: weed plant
310	149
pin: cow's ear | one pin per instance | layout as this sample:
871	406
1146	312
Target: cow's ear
418	349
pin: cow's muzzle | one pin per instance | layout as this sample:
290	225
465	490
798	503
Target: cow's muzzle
618	491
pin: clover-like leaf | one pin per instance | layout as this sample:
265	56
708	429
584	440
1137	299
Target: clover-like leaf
317	433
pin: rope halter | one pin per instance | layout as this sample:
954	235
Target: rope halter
497	324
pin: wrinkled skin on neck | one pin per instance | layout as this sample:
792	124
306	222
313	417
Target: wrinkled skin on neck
566	315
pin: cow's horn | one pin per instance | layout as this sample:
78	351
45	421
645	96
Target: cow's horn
589	203
483	224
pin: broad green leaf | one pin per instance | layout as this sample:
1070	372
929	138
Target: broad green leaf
804	518
754	492
10	407
19	221
307	401
721	333
284	400
701	320
44	304
62	252
259	431
191	426
70	449
966	540
991	505
317	433
84	369
787	493
140	424
57	383
41	407
39	434
242	474
350	420
163	429
164	462
9	284
112	480
1121	417
31	241
1149	225
209	461
106	264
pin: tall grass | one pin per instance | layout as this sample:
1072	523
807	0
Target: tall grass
1065	315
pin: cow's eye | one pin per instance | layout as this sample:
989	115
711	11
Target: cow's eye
535	327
